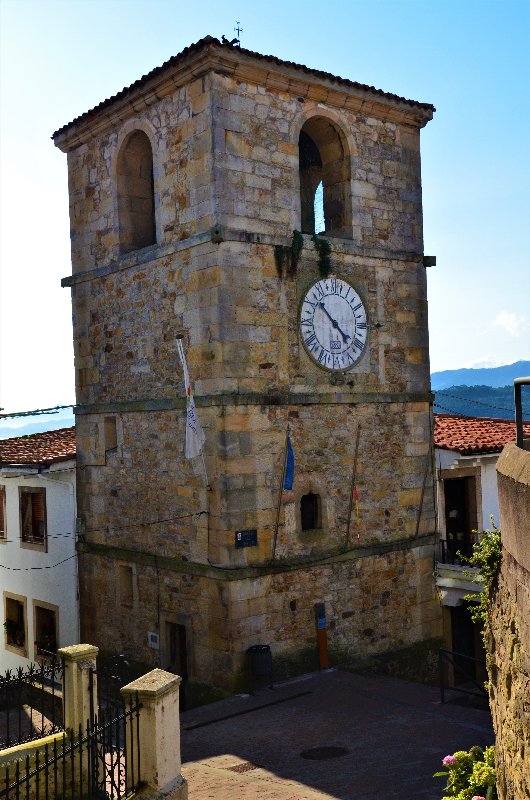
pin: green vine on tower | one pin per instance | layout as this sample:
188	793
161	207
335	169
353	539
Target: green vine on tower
287	258
323	249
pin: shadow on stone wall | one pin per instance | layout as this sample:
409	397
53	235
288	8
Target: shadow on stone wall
508	637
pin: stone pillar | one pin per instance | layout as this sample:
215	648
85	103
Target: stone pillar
79	659
159	733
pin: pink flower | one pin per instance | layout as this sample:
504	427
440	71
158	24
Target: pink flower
449	761
478	797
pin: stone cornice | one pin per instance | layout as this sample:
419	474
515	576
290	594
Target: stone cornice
219	234
307	84
252	399
229	573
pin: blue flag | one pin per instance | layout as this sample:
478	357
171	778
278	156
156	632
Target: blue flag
289	466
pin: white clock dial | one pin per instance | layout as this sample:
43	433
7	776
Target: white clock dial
333	324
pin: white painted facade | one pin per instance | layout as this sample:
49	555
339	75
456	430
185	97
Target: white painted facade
484	468
41	576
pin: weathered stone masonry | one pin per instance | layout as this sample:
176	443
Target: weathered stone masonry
224	127
508	638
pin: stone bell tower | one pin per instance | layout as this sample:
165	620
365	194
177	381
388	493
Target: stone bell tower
195	198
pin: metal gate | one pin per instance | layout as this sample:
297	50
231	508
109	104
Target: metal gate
101	762
114	743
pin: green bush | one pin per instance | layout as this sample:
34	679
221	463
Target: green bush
487	555
470	775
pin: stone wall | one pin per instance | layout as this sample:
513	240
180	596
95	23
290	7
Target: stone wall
508	641
376	600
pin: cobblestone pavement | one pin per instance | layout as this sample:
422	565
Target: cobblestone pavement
395	734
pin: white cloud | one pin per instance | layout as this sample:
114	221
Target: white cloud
514	324
485	362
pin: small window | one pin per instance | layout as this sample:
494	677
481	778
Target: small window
125	585
136	202
110	434
33	515
15	623
310	512
3	528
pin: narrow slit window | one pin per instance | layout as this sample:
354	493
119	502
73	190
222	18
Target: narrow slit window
310	512
110	433
125	585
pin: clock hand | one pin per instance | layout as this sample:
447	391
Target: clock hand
334	322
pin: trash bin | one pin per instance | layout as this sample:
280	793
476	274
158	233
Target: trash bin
260	660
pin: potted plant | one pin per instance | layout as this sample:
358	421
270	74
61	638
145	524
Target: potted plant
14	632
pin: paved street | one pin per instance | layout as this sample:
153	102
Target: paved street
392	736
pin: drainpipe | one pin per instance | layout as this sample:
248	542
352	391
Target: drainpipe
518	382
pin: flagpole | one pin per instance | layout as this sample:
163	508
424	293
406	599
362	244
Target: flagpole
198	440
280	495
352	487
205	473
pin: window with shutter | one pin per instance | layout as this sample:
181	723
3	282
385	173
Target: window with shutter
33	515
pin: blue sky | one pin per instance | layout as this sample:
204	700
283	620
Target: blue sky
470	59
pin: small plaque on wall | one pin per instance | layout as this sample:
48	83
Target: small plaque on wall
248	538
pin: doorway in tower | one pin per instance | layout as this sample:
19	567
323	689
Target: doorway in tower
175	657
175	654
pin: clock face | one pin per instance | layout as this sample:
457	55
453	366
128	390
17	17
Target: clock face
333	324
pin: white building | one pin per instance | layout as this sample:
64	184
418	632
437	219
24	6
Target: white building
38	563
466	452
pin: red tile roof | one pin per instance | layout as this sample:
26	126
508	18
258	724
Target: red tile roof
212	42
474	435
39	449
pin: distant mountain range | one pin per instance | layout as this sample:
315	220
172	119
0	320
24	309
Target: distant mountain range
9	428
487	376
486	392
480	401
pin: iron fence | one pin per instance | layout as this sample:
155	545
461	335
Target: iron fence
465	669
31	702
455	552
110	675
101	762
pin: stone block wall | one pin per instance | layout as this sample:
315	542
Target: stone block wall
508	642
226	194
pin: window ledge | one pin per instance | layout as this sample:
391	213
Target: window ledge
38	546
18	651
312	534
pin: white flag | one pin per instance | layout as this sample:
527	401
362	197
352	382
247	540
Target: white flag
194	433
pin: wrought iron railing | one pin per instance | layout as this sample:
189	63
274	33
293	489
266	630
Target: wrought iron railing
31	702
101	762
464	668
110	675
